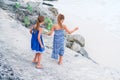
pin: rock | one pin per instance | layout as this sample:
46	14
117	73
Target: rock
20	16
30	9
5	4
53	10
33	19
83	52
76	55
69	44
76	47
46	12
33	4
6	72
47	4
77	38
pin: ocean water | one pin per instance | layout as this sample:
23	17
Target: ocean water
99	23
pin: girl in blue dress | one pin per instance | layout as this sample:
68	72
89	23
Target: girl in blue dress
58	42
37	44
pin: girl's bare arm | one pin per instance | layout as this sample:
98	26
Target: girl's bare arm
51	31
68	31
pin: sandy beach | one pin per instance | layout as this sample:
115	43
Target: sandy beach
98	22
16	55
15	47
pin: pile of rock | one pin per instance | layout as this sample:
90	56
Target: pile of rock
6	72
27	13
76	42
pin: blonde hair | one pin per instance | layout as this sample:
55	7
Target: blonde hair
60	17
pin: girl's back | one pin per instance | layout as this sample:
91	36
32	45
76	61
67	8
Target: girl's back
35	32
59	30
59	34
57	27
35	45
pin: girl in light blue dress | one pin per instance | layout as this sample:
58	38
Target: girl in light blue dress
58	42
37	44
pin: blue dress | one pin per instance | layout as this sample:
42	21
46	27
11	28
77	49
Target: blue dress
35	45
58	44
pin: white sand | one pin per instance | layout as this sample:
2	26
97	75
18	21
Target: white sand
15	46
99	23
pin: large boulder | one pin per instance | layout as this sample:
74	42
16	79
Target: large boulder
76	47
76	42
77	38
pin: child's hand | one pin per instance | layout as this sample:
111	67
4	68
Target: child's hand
76	28
42	46
48	34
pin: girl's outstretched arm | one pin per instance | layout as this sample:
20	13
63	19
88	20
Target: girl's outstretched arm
51	31
68	31
40	32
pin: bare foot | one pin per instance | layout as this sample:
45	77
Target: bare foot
38	66
59	63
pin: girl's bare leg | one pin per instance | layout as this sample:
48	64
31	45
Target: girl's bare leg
35	58
60	60
39	60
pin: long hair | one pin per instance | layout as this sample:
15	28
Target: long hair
39	20
60	17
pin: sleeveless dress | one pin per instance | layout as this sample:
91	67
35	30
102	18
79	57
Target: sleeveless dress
35	45
58	44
